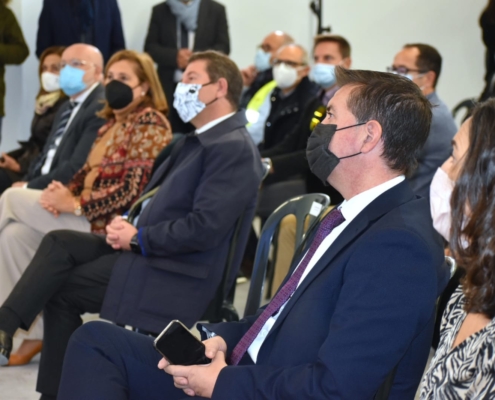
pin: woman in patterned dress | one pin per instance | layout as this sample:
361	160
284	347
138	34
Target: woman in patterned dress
464	363
116	171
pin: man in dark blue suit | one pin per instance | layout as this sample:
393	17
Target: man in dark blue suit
65	22
359	302
167	263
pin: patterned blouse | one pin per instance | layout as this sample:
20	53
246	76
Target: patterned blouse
466	371
125	168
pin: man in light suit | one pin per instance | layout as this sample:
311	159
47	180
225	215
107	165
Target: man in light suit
359	302
170	261
177	29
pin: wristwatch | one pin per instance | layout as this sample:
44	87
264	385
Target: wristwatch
77	208
135	246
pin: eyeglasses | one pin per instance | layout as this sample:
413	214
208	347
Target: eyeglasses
74	63
403	70
288	62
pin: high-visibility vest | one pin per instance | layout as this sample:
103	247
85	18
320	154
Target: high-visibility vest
252	109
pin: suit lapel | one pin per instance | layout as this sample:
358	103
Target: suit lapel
383	204
203	26
172	26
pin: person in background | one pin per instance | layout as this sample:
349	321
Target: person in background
13	49
177	29
284	103
112	178
464	363
66	22
258	75
14	165
422	64
487	24
76	123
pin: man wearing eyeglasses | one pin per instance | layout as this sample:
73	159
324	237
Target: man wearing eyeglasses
422	64
283	106
76	124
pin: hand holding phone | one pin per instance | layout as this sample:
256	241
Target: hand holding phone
179	346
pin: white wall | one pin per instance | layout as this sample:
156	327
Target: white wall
377	29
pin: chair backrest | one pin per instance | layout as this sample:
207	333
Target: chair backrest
215	312
307	206
452	264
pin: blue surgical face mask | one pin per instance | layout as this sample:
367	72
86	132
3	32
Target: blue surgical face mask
323	75
262	60
71	80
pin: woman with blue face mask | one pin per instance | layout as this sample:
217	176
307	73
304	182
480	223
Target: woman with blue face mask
464	362
14	165
115	173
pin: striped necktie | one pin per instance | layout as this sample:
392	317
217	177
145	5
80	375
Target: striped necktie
62	125
332	220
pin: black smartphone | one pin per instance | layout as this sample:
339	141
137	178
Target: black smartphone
179	346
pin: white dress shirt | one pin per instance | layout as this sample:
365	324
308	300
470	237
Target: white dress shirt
350	209
51	153
211	124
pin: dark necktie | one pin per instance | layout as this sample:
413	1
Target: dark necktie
184	37
62	125
333	219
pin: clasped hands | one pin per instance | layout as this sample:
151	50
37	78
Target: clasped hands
57	199
199	380
120	233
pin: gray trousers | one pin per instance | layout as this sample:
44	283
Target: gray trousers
23	223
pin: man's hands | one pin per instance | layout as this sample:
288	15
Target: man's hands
199	380
183	56
120	233
57	199
249	75
10	163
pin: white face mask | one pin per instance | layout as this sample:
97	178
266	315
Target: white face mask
50	82
284	75
440	192
186	100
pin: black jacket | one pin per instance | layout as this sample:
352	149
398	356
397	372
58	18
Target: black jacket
161	42
286	112
261	80
289	156
75	145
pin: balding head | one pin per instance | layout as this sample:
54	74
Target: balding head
274	41
290	58
86	58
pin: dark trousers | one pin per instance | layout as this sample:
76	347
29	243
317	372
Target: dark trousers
104	361
67	277
5	180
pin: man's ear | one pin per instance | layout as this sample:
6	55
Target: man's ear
346	62
430	77
373	136
304	71
223	87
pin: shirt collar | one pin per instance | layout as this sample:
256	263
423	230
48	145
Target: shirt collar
84	95
352	207
211	124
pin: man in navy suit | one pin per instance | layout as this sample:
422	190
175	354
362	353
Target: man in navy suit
359	302
65	22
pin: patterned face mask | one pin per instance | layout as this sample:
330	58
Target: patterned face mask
186	100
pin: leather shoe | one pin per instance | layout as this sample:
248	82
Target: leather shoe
5	347
23	359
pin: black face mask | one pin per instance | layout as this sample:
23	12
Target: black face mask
321	160
118	94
